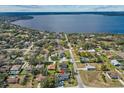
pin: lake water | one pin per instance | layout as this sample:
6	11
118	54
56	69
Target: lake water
75	23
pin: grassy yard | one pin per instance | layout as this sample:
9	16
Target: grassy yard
94	79
23	72
67	53
76	57
51	72
80	65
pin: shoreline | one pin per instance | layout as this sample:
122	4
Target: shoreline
29	17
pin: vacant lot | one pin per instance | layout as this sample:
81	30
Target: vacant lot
94	79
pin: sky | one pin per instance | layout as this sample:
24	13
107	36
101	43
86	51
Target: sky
60	8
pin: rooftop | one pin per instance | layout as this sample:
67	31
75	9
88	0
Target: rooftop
16	67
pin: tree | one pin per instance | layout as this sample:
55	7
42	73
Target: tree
35	71
3	76
39	58
103	77
104	68
56	66
48	83
99	59
73	73
54	58
25	80
45	71
89	45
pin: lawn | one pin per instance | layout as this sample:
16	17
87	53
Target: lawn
67	53
51	72
23	72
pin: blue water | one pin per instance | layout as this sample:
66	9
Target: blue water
75	23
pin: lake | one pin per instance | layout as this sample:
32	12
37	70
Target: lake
75	23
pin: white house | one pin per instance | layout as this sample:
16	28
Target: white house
89	67
91	50
115	63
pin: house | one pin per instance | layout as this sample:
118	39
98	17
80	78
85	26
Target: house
39	66
60	84
91	50
113	75
40	77
5	69
89	67
28	68
62	55
63	66
84	59
27	44
64	59
71	61
19	61
51	67
12	80
63	77
15	69
115	63
91	36
80	49
86	39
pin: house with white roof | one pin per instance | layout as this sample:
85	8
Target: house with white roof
89	67
91	50
115	62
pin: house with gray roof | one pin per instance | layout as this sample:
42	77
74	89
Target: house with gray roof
15	69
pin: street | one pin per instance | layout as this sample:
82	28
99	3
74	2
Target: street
80	83
26	52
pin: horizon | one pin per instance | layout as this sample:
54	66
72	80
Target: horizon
61	8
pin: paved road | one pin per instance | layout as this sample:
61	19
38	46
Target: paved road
29	48
80	83
121	81
26	52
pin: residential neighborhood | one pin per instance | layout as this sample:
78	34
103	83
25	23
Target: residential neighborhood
41	59
34	59
99	58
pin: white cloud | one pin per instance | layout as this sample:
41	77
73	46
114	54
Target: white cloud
60	8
